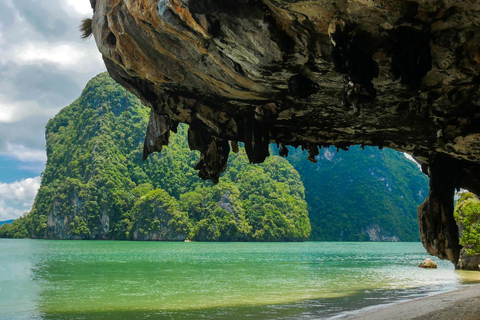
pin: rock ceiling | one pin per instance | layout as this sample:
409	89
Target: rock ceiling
387	73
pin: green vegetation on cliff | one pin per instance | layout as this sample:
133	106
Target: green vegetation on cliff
467	214
360	194
14	229
6	222
96	186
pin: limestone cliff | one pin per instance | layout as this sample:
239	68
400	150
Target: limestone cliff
96	186
398	74
375	233
468	262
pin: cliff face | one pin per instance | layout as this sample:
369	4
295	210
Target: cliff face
375	233
468	262
399	74
96	186
352	192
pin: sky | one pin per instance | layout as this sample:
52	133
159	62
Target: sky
44	65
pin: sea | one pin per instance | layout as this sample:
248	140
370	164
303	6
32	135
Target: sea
46	279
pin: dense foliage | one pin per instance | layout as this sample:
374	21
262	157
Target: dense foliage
15	229
467	214
353	193
96	186
230	210
6	221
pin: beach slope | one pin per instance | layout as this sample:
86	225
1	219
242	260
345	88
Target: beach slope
460	304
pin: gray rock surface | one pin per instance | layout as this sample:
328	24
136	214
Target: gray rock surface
388	73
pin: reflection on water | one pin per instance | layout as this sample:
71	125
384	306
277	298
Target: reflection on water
468	277
115	280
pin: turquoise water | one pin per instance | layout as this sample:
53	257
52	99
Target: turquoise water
42	279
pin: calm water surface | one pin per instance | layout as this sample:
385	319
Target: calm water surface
162	280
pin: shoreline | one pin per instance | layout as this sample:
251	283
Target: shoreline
463	303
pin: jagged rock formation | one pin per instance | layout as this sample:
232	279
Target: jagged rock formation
399	74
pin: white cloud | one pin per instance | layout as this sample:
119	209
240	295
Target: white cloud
17	197
7	113
81	6
61	54
80	57
25	154
13	111
7	212
23	190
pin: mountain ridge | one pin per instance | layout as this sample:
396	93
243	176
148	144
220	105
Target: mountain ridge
95	146
96	186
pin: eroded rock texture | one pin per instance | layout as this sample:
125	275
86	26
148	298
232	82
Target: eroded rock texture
387	73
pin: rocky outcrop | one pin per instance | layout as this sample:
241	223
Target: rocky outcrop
438	228
428	264
468	262
397	74
375	233
73	226
156	227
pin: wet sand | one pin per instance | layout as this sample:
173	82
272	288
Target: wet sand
461	304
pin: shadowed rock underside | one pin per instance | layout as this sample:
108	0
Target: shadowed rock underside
386	73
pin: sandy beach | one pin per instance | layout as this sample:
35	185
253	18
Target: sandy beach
461	304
